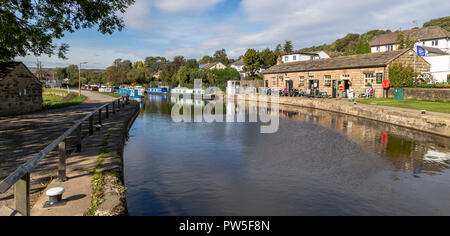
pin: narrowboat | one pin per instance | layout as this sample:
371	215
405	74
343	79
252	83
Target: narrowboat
158	91
132	93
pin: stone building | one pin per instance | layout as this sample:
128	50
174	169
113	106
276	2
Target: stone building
20	90
357	72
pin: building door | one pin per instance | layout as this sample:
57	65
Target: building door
334	88
289	84
267	83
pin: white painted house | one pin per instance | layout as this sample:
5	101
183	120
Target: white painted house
434	39
433	36
214	65
239	66
295	57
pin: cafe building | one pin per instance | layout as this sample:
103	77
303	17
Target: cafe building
336	76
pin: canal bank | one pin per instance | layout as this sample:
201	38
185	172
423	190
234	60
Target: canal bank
431	122
95	185
101	153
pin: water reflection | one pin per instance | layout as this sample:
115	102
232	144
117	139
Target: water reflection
319	163
408	150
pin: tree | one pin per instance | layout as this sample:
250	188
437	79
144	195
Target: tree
60	72
136	76
138	65
443	22
31	26
268	58
401	76
221	56
192	64
252	63
153	65
205	60
178	62
363	47
278	49
117	74
72	74
404	42
288	47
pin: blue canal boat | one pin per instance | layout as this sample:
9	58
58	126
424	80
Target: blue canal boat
159	91
132	93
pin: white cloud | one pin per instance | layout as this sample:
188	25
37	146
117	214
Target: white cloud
186	6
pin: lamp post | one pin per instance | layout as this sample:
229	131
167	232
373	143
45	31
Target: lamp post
79	77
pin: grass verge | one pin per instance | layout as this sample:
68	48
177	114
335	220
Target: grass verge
434	106
56	102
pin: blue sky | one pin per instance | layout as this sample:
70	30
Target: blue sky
194	28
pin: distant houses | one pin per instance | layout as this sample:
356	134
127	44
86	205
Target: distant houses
302	56
214	65
239	66
433	36
20	90
433	41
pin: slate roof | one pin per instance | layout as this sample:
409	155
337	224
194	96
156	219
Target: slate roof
209	66
434	50
348	62
6	68
239	63
426	33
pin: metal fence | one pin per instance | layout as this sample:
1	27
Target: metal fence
20	178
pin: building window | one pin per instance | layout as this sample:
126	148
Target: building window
327	81
378	48
301	81
369	79
294	58
435	43
286	58
346	76
390	47
274	82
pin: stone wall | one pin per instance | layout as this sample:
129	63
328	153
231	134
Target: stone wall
302	80
432	122
20	93
425	94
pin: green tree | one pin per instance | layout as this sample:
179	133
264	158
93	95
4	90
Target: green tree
363	47
153	65
205	60
221	56
268	58
31	26
443	22
117	74
192	64
288	47
401	76
72	74
252	63
136	76
60	72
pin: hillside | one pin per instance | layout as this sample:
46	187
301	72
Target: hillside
359	43
443	22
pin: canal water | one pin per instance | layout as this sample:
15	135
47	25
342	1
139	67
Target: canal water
319	163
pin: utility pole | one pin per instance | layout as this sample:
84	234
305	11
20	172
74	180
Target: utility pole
79	77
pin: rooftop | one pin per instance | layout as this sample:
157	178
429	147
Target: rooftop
426	33
7	67
346	62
